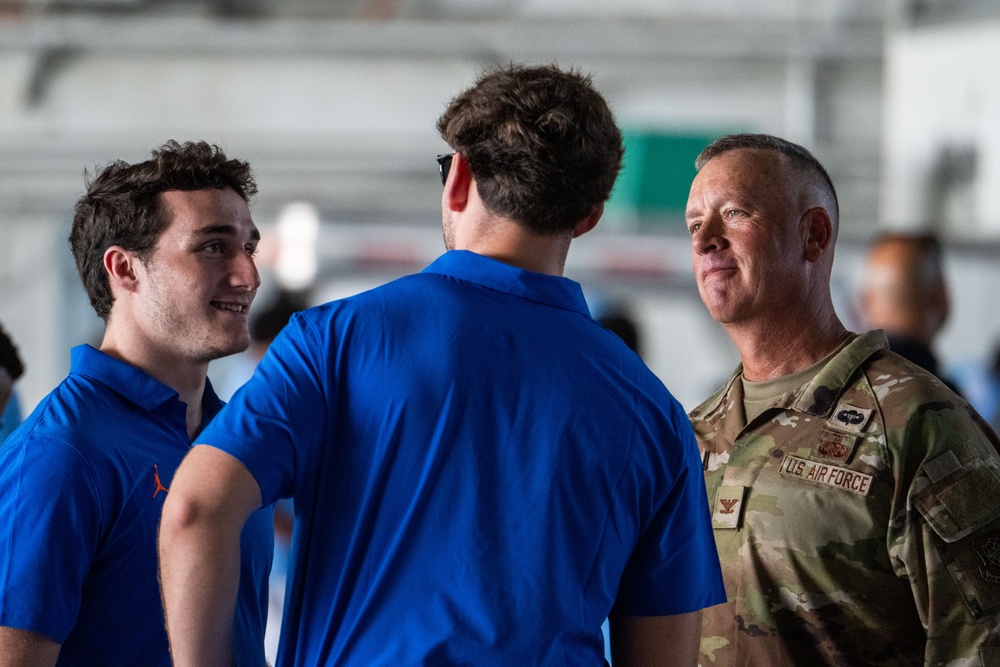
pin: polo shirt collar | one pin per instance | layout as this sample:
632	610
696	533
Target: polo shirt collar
132	383
488	272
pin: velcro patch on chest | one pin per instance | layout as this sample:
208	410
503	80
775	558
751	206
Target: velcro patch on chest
827	475
849	418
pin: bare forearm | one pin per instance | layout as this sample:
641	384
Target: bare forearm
20	648
199	577
655	641
210	498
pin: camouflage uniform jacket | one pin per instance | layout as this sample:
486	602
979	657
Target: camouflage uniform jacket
857	520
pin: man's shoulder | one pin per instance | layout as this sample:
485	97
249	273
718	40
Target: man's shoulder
921	417
52	453
902	387
76	406
401	291
418	297
714	403
82	418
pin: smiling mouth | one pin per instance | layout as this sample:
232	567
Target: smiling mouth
232	307
715	270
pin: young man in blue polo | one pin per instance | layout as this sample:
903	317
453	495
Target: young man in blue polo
165	251
481	473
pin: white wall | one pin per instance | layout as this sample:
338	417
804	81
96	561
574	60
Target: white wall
943	93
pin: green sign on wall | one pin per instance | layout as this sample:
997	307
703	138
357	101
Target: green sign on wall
652	188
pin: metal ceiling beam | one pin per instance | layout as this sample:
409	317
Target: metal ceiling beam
549	38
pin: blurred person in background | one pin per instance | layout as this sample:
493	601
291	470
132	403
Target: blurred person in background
164	249
11	368
481	472
855	499
621	323
904	293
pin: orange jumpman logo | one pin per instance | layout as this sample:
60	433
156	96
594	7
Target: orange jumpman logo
727	505
156	480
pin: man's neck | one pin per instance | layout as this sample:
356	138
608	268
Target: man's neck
185	377
531	259
776	348
480	231
514	244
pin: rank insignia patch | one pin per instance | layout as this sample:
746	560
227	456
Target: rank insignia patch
849	419
728	507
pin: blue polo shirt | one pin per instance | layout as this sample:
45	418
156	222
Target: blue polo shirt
82	485
480	472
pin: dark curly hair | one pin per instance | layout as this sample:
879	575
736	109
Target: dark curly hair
541	142
122	206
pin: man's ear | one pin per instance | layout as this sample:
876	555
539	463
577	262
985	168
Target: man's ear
589	222
121	266
817	233
456	188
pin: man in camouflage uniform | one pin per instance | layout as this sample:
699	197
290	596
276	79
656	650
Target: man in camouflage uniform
855	499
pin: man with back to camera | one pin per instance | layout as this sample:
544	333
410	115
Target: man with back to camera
855	499
165	250
481	473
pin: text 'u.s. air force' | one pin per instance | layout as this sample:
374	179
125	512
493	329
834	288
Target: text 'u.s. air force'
829	475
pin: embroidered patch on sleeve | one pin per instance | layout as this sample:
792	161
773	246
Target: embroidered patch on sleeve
728	507
827	475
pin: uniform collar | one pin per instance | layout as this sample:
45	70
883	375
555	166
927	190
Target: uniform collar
488	272
131	383
818	397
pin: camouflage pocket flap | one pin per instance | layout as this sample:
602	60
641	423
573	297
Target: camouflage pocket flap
961	503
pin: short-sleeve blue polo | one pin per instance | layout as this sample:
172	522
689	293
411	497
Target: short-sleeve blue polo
82	485
480	472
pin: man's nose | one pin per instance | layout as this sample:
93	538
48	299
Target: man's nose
709	236
244	272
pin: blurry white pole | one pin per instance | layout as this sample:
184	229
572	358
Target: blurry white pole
800	101
298	234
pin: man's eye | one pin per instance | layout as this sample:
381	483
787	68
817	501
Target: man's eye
694	227
214	247
250	250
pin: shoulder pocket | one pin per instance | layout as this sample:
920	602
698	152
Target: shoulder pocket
962	502
956	507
